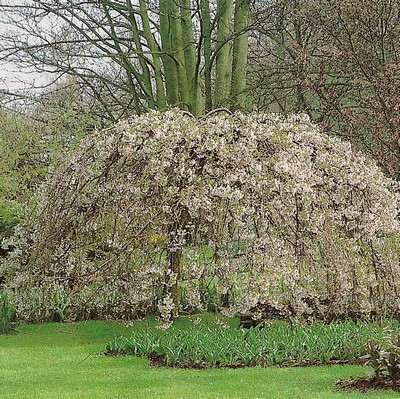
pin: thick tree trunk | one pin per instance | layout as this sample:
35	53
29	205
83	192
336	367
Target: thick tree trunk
240	52
179	54
170	66
223	66
190	57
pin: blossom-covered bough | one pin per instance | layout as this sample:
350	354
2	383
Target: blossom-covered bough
167	212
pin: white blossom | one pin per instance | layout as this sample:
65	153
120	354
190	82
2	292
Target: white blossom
261	207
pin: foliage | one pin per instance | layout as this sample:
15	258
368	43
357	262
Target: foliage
155	211
10	215
275	343
22	167
384	356
30	143
7	313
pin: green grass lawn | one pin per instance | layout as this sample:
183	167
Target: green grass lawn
65	361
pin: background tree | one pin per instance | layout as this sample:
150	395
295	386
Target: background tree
358	75
33	141
338	61
277	57
135	56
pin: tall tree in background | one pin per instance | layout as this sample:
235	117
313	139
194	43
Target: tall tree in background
357	76
136	55
240	53
285	43
31	144
339	61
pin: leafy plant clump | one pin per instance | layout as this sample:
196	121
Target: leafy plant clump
167	212
384	356
276	344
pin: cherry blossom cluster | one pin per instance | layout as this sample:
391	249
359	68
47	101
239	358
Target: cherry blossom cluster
168	212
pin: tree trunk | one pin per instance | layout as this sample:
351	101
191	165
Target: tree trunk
179	54
144	62
155	54
175	258
170	69
190	57
223	66
240	52
175	266
206	33
301	105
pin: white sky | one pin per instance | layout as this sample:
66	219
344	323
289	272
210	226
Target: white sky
11	78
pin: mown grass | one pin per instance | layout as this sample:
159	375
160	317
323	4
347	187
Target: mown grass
54	361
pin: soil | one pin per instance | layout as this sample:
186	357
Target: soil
159	361
365	384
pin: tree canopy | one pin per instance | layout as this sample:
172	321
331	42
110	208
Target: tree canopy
135	56
167	211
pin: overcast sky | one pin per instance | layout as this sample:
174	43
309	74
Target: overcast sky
11	78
